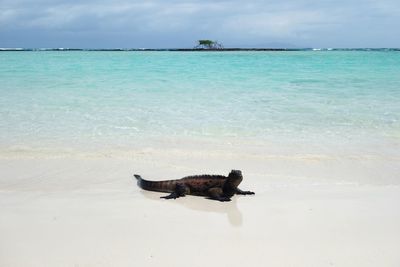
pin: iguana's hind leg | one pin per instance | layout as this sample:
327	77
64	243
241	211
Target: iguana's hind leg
180	191
216	193
241	192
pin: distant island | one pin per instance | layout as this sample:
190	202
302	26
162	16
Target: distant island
208	44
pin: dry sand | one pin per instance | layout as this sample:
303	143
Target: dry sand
307	211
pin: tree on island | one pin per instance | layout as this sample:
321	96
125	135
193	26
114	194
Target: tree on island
208	44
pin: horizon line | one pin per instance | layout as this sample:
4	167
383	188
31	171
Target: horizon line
202	49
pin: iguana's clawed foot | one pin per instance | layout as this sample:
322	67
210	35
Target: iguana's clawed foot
247	193
169	197
180	191
241	192
173	195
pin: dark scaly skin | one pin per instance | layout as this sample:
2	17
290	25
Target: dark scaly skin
216	187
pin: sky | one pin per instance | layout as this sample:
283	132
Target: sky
179	24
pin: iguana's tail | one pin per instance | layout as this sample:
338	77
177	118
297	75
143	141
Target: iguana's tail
167	186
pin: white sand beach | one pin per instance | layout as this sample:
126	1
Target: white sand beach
308	211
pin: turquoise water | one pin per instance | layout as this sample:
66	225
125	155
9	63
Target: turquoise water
124	99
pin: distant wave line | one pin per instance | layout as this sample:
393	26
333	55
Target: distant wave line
198	50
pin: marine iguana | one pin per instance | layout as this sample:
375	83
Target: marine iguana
216	187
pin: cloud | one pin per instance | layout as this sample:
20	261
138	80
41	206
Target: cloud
284	24
232	21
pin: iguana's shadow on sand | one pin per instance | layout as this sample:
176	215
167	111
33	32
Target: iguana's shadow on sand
201	204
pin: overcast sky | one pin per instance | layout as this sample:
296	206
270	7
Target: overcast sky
177	23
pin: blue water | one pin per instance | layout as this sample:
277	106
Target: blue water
122	99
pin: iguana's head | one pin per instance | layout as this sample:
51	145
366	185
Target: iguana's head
235	177
231	184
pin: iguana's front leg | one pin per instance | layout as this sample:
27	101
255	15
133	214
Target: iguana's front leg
216	193
241	192
180	191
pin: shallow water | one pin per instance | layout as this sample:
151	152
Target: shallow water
109	100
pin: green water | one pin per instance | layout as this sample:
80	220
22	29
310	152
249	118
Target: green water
108	99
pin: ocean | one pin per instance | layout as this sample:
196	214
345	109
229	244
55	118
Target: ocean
85	101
